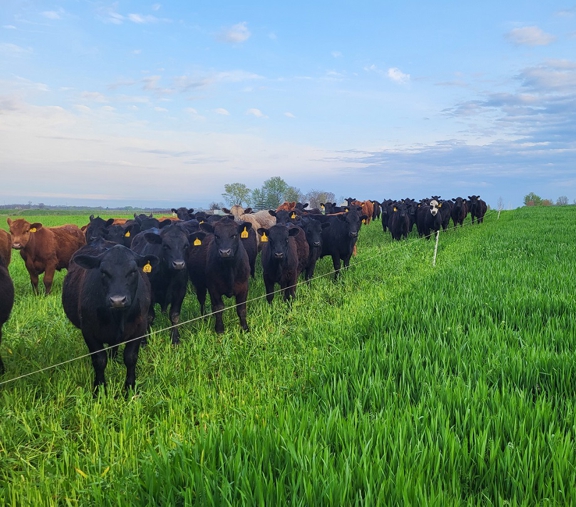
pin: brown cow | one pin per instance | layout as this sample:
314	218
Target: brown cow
5	247
45	249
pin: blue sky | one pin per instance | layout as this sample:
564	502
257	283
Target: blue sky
153	104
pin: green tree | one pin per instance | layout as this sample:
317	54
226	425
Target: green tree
236	193
271	195
292	194
532	199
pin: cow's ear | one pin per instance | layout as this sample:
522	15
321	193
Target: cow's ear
272	212
147	262
294	231
87	261
153	238
364	217
197	237
244	226
9	221
36	226
205	226
164	223
225	210
247	210
91	218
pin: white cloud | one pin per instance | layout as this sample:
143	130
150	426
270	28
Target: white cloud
289	115
9	27
160	109
156	7
398	76
256	112
235	34
272	36
222	111
136	51
336	54
82	108
142	19
51	15
194	113
94	96
530	36
8	49
108	108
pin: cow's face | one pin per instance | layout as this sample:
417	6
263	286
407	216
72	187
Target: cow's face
434	207
353	220
227	236
175	244
119	269
279	240
20	231
97	229
313	230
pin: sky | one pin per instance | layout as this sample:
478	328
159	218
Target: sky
135	103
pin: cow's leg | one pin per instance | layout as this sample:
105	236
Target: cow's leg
241	308
217	309
269	284
130	359
33	277
99	359
336	264
49	277
175	308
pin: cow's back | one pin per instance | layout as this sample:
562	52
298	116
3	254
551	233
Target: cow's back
5	246
67	239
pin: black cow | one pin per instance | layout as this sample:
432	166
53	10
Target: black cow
398	220
184	213
170	281
339	239
226	267
459	211
313	230
477	208
331	208
107	295
6	300
279	259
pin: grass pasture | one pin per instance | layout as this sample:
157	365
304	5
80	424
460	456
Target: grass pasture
402	383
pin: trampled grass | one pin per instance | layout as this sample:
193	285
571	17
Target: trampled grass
402	383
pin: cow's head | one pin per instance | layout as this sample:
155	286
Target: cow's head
119	269
20	230
226	236
278	239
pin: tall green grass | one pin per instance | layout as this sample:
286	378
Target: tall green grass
402	383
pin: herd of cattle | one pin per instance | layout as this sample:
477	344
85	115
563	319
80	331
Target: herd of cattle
119	270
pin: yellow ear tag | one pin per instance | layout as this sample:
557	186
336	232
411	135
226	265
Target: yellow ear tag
174	214
264	238
364	221
147	267
33	229
440	205
395	210
293	216
322	206
197	242
127	235
201	221
244	233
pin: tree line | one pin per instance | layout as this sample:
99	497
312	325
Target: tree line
271	194
535	200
